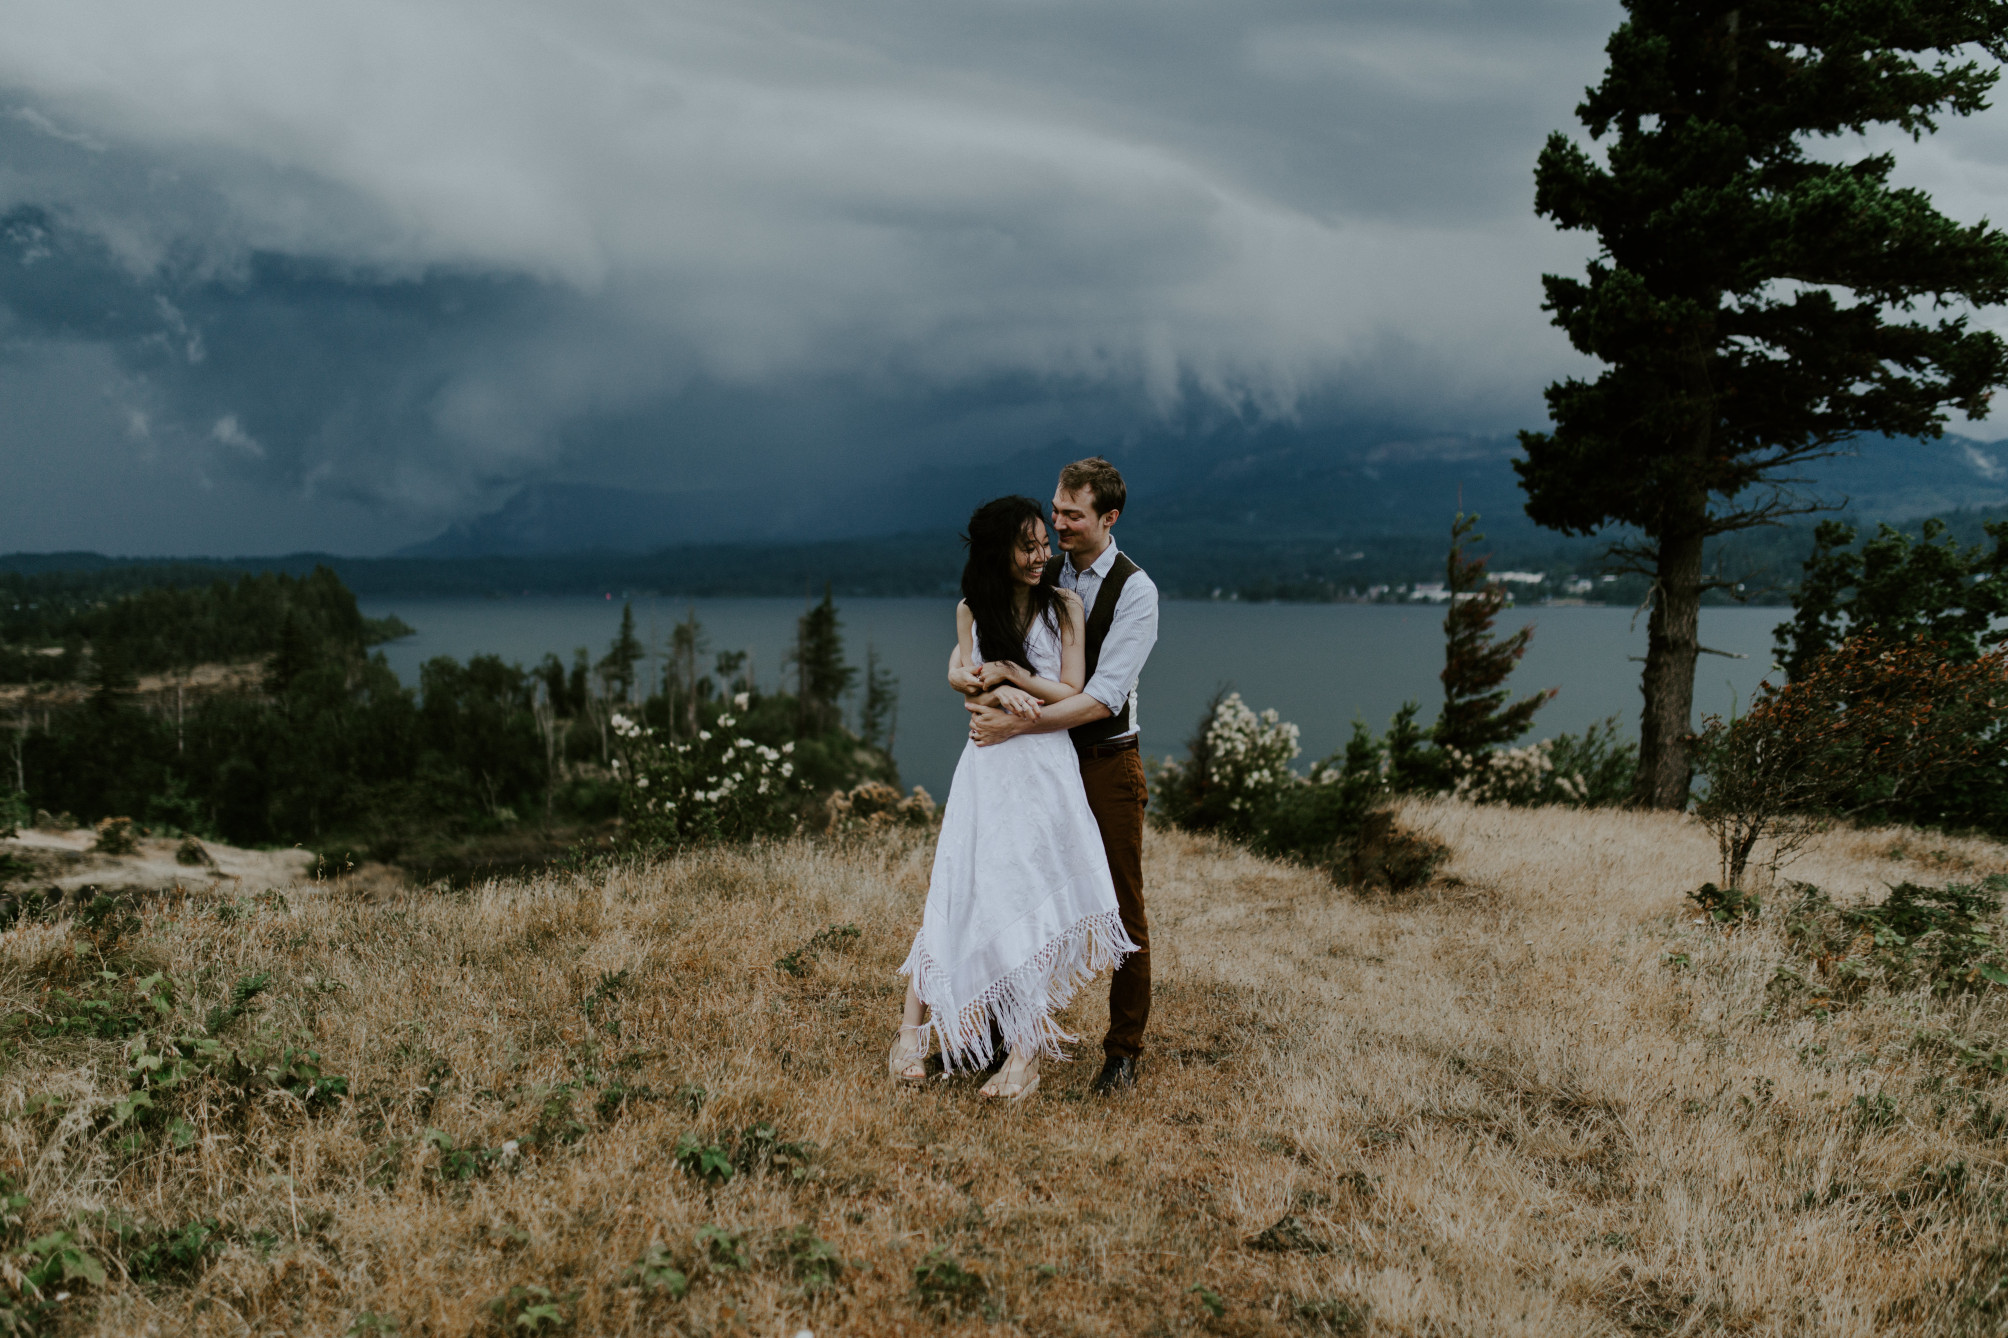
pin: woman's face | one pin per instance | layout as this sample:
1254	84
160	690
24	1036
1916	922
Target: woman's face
1029	559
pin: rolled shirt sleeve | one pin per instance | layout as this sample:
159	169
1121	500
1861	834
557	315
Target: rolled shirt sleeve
1132	633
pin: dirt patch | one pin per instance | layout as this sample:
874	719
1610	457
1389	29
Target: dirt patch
59	865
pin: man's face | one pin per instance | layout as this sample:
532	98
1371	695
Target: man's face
1077	526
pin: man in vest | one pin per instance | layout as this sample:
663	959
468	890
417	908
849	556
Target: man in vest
1122	627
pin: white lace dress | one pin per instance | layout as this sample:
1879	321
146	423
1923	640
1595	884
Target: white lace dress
1020	908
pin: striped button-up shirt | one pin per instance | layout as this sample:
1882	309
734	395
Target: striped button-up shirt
1130	637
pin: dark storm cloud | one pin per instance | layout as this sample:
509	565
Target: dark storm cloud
373	264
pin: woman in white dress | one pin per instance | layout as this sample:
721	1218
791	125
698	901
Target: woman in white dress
1020	910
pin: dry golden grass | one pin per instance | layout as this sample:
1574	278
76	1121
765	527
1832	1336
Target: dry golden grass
1492	1107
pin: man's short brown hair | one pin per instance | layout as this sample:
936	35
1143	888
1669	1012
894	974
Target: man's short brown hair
1099	477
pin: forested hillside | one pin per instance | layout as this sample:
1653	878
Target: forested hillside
267	721
151	618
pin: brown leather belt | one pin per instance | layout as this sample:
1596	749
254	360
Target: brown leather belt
1113	748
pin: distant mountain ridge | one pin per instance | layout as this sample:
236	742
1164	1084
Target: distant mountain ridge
1274	484
1277	514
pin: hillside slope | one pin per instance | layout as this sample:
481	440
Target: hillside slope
1536	1098
1276	484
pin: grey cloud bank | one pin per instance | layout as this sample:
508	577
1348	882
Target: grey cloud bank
334	276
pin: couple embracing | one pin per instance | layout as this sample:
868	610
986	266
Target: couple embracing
1038	876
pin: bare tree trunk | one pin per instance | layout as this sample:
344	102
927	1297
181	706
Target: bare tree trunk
1673	643
546	716
597	711
21	748
690	684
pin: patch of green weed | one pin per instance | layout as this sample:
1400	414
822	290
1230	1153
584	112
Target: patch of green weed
799	962
655	1271
942	1283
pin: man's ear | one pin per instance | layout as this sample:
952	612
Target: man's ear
1112	516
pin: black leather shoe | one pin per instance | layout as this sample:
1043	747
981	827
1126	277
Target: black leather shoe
1117	1075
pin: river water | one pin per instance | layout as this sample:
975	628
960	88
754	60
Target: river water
1319	665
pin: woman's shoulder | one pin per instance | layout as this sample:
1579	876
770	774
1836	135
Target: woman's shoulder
1069	604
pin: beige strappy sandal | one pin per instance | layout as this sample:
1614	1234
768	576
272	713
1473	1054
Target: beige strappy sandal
1018	1079
908	1060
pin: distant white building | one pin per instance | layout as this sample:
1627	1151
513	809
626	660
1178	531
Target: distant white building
1519	577
1578	585
1431	591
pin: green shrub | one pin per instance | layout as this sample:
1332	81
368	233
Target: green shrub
1383	855
15	812
1236	768
1309	821
813	1261
718	786
1594	769
657	1271
1726	905
723	1251
115	1008
1590	770
761	1149
169	1254
1334	1315
1236	780
708	1162
1947	940
529	1309
940	1283
117	836
457	1162
799	961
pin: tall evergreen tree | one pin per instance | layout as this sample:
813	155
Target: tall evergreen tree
1899	590
1755	306
296	654
680	677
878	714
578	684
112	676
1477	716
617	669
821	675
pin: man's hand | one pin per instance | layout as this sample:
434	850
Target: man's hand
989	725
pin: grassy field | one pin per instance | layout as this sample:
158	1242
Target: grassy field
1539	1096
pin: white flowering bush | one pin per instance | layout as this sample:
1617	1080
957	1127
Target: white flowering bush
1505	775
720	786
1237	780
1587	770
1237	769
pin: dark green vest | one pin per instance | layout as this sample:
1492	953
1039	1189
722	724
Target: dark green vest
1100	618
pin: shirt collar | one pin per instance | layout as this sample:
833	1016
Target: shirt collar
1099	568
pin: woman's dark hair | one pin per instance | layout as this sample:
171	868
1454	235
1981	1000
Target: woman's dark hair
995	531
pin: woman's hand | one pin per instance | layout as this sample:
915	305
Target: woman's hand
968	682
1018	702
997	674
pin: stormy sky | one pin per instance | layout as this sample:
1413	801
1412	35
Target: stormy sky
276	277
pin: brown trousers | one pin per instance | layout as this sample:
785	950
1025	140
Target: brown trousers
1117	796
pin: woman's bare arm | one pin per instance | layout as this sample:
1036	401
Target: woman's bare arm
986	684
965	680
1073	658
